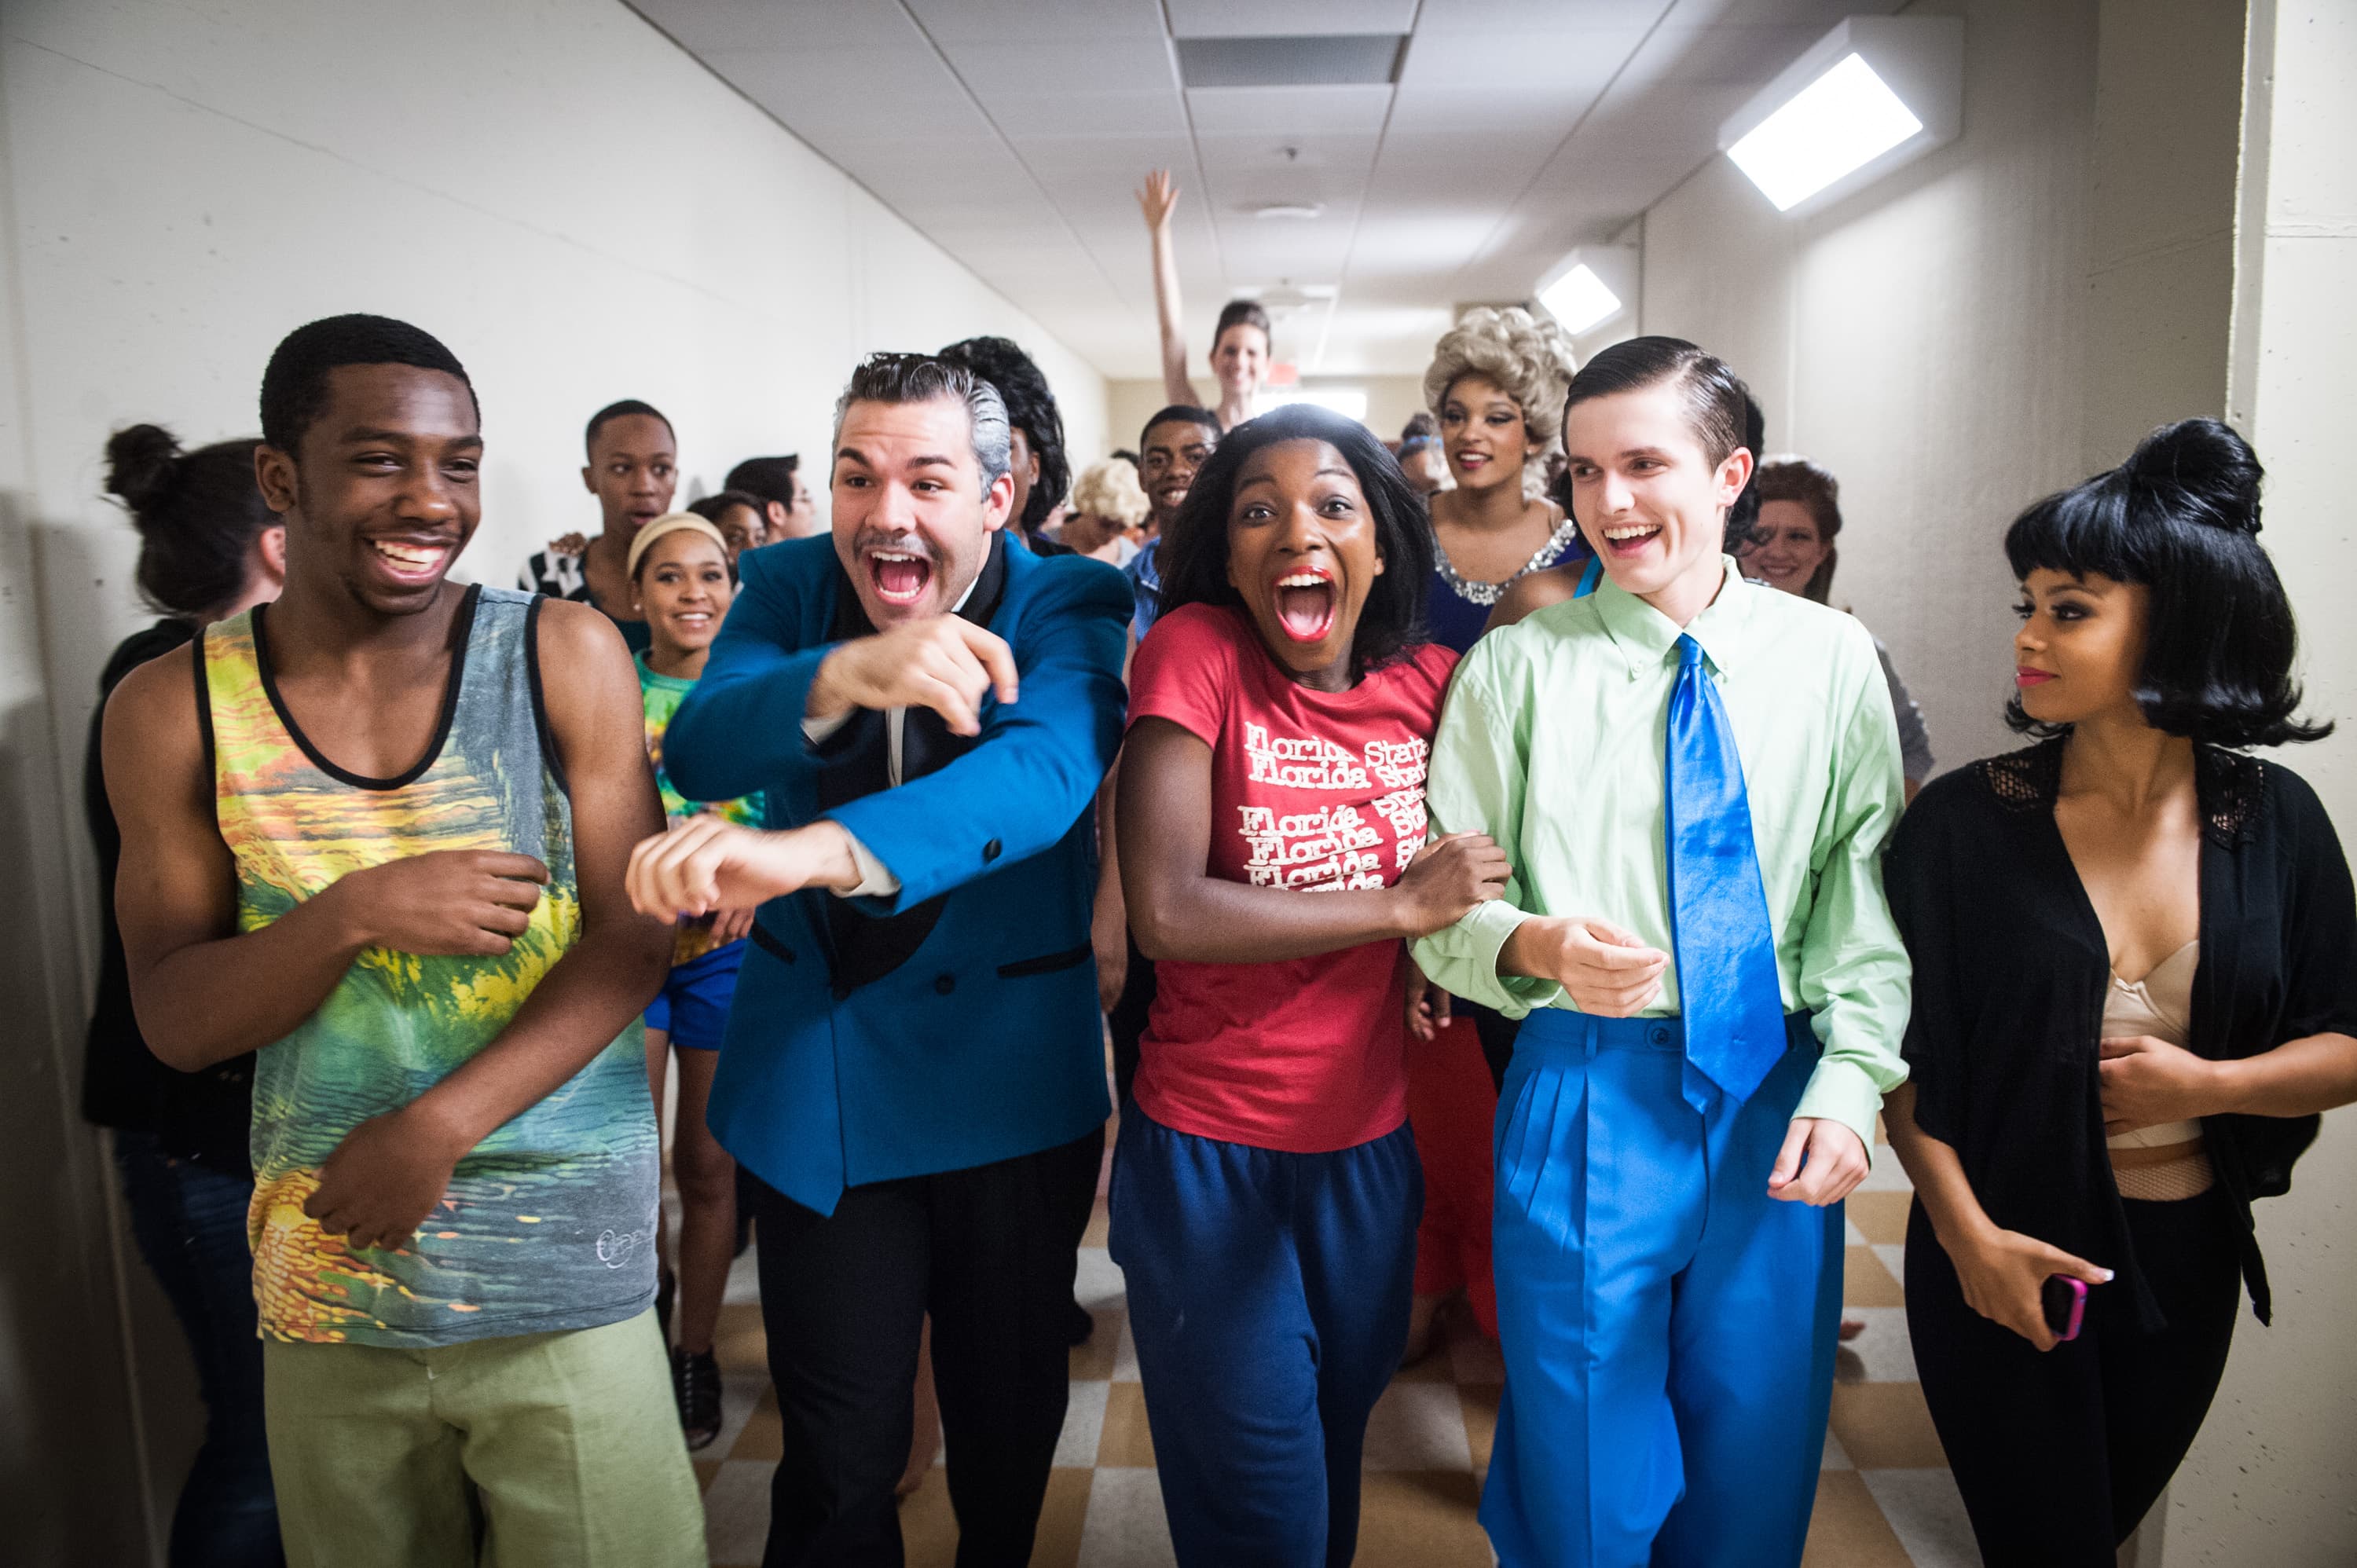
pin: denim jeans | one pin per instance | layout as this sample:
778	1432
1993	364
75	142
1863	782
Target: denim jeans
189	1223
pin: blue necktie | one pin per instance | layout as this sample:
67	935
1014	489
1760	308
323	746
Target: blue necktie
1733	1009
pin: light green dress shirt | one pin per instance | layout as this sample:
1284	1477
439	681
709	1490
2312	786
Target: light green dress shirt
1552	744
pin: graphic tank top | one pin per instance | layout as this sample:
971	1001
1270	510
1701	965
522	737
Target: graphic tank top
549	1222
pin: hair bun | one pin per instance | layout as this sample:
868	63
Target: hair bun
143	467
2205	467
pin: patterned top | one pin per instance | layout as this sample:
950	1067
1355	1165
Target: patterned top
549	1222
661	696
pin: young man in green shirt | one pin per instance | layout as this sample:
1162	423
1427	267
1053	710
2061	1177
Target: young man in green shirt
1693	777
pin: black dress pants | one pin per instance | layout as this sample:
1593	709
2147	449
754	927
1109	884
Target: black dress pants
2060	1456
989	1251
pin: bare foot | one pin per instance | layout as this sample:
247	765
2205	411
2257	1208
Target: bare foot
1851	1328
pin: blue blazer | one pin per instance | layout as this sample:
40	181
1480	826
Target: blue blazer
987	1044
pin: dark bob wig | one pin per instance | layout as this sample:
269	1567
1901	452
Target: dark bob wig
1195	550
2181	517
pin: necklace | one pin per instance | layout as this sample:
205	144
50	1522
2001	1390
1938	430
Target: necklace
1488	593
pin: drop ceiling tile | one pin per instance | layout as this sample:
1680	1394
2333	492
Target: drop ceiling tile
1477	18
1006	21
1748	56
1572	62
1351	151
1048	68
702	24
1155	111
1288	18
830	97
1302	110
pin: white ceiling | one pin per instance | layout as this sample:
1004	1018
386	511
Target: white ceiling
1013	133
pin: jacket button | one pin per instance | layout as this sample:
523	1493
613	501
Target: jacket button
991	850
944	983
1661	1033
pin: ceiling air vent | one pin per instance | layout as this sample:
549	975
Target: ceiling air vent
1359	59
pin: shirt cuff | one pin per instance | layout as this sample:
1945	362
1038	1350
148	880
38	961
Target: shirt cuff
1841	1092
1485	928
817	731
875	880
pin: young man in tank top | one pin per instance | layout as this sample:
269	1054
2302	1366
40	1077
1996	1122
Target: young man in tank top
359	837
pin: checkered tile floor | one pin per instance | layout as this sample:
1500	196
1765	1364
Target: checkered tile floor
1884	1498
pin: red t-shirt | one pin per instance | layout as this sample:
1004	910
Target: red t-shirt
1311	790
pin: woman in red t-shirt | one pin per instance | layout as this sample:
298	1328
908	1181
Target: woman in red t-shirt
1265	1192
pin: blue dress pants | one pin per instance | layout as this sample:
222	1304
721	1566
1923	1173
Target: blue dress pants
1668	1328
1268	1294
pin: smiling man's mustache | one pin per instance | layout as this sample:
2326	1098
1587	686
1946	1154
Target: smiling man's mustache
906	543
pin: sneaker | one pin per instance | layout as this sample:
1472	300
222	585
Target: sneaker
696	1383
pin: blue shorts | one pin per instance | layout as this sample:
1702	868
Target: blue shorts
693	1005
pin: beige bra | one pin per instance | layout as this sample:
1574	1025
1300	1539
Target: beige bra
2166	1161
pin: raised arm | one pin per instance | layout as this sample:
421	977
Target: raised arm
1179	910
205	993
1156	200
378	1183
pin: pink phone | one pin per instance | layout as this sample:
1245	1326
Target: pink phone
2065	1301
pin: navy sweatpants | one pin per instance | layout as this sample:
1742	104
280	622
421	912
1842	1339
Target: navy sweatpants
1268	1294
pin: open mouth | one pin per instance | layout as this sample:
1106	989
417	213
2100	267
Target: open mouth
1306	605
411	560
693	620
900	576
1628	539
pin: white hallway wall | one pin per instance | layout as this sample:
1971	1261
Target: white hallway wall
1925	339
576	208
1994	322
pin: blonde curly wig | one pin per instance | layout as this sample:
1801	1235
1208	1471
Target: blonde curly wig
1110	489
1529	359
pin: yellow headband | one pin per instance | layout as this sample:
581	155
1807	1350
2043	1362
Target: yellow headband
670	522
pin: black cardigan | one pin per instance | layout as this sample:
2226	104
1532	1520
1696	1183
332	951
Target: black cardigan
201	1116
2011	969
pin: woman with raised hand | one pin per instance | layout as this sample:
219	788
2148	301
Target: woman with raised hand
1266	1194
1240	342
209	548
2135	987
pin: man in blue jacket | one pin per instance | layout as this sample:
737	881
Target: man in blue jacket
914	1067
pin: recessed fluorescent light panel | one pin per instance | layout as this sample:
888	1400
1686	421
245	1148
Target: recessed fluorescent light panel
1870	95
1579	300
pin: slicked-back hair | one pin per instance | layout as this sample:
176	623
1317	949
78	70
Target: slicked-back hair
2181	517
1030	408
767	478
923	378
1194	551
622	410
1182	414
1719	409
295	383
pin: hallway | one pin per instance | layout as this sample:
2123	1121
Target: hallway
1884	1500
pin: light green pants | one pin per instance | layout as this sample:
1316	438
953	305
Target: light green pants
539	1451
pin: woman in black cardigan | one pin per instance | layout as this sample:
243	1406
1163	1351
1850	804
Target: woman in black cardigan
2063	1118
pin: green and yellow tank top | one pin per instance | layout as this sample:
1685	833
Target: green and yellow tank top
660	696
549	1222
